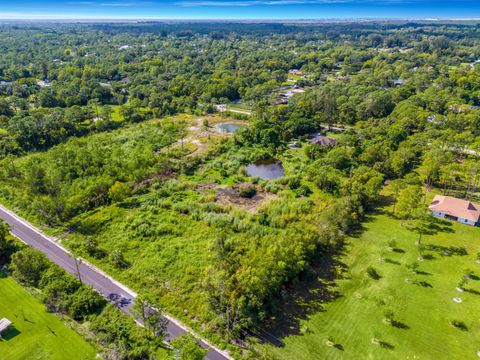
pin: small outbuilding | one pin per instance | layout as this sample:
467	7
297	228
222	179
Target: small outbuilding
398	82
448	207
4	325
295	72
323	141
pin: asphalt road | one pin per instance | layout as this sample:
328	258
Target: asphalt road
105	285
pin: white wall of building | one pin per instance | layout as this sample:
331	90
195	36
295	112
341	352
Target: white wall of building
465	221
460	220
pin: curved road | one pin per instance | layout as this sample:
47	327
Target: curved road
92	276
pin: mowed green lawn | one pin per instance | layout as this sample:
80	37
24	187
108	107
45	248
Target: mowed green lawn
423	312
36	334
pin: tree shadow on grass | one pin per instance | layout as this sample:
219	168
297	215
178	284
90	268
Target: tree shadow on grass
472	291
438	225
10	333
400	325
390	261
447	250
307	296
473	277
386	345
419	272
423	284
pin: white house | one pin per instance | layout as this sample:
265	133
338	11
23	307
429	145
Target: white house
451	208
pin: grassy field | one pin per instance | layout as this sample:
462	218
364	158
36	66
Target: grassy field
421	303
36	334
239	106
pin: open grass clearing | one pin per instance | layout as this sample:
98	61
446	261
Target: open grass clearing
356	325
239	106
36	334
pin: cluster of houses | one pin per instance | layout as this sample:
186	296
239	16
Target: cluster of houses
40	83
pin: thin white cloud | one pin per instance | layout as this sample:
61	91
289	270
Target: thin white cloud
123	4
81	3
47	16
255	2
244	3
110	4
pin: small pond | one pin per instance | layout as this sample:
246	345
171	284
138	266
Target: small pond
229	128
266	169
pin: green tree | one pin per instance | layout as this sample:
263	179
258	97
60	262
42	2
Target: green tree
95	105
409	201
397	185
5	245
151	316
186	347
28	266
365	184
420	222
83	302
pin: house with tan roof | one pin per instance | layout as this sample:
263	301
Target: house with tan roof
451	208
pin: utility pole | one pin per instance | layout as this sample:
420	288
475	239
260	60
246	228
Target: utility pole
78	261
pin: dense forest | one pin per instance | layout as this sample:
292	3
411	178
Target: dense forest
98	122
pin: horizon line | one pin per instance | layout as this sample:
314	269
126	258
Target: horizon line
74	18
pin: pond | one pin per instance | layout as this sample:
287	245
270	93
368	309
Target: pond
266	169
229	128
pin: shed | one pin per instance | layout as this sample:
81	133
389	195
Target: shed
323	141
398	82
4	324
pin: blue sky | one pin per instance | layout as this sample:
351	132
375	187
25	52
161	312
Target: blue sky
237	9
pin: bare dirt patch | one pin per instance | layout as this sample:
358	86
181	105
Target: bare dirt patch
231	196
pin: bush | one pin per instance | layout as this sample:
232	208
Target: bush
248	191
116	259
90	246
303	190
119	191
294	182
